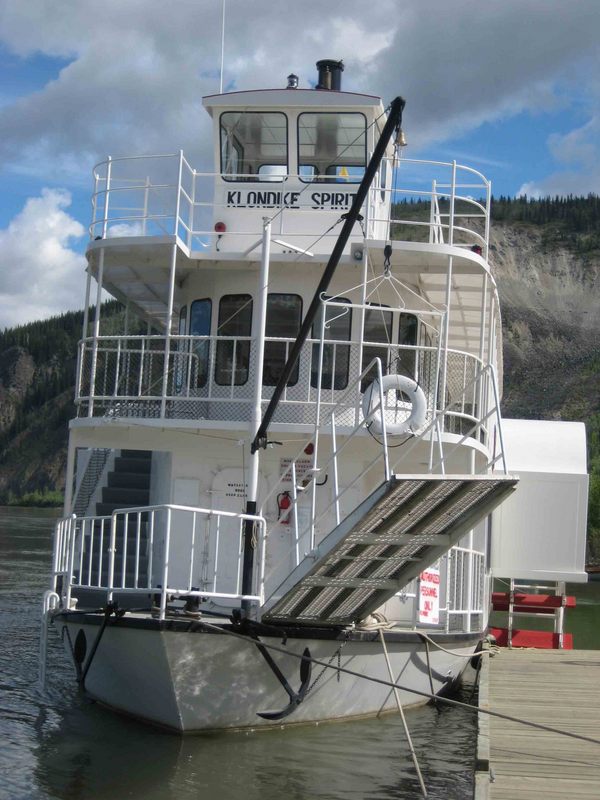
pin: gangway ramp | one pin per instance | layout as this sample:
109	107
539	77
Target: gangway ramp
391	537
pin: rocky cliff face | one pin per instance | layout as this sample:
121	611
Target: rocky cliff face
16	375
551	324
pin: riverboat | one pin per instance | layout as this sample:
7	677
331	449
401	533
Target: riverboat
284	483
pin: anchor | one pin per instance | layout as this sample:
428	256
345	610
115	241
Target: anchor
295	697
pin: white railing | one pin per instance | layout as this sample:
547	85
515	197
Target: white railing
210	377
157	552
164	195
303	475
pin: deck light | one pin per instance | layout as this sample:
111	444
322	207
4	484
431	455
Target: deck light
292	81
220	227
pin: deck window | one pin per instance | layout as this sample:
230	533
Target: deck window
336	356
332	147
254	146
200	314
233	354
284	315
377	328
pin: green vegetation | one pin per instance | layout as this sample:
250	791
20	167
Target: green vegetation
571	222
40	499
593	428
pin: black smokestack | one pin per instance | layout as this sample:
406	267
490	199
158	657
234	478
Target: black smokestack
330	74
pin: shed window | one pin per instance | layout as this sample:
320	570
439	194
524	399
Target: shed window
254	146
332	147
233	354
284	315
336	356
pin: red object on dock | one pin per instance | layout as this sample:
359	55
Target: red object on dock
542	640
535	603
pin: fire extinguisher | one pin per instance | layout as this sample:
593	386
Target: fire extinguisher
284	503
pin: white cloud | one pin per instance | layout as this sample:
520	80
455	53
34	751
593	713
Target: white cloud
138	74
137	71
530	190
40	273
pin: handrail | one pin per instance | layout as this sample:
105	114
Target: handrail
84	541
455	185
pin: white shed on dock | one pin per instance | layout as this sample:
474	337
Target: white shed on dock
539	532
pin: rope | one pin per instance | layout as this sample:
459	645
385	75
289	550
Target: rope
391	684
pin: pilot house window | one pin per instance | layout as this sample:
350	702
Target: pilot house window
332	147
254	146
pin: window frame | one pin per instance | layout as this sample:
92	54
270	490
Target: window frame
238	146
201	349
294	376
243	348
323	177
331	382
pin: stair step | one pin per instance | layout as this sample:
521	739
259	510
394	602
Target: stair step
131	480
541	640
130	464
534	603
105	509
125	496
142	454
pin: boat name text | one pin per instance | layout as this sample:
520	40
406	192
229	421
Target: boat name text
269	199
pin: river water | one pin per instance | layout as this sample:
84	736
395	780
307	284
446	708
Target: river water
58	745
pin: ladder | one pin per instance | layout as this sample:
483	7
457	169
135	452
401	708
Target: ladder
542	601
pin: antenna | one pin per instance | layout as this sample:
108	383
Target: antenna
222	48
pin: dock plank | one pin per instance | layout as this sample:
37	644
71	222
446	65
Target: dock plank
560	688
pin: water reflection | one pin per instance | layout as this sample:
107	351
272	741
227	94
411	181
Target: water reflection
57	745
94	754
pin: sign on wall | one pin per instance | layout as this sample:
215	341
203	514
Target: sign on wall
429	596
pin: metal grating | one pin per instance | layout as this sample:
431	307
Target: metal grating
403	527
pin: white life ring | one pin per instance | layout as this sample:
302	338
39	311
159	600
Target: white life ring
399	383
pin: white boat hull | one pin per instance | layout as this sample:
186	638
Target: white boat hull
194	680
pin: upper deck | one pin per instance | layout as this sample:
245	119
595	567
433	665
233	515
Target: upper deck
182	248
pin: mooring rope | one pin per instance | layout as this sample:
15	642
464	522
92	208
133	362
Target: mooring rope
392	685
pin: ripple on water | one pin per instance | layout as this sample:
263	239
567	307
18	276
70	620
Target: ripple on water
57	745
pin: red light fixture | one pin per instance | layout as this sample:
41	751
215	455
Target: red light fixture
220	227
309	449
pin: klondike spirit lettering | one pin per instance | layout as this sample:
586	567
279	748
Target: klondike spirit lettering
333	201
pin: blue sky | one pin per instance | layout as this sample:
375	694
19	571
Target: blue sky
510	87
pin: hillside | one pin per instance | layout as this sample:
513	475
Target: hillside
545	255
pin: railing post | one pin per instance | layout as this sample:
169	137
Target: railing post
336	486
259	340
452	198
432	209
70	559
111	556
446	335
169	320
192	213
100	279
165	581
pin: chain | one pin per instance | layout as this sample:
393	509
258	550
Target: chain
338	655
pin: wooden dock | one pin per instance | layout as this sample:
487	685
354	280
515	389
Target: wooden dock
559	688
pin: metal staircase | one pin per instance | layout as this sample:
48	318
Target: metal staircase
399	530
